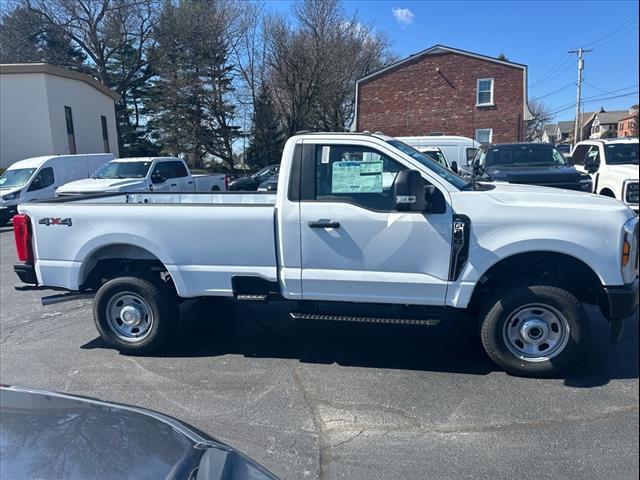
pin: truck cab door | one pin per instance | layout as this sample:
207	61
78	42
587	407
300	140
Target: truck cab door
354	245
161	178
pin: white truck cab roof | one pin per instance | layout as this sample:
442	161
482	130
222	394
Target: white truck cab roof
143	159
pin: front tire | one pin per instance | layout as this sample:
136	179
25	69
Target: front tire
534	330
134	315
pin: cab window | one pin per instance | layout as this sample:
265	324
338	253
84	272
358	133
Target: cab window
43	179
162	169
355	174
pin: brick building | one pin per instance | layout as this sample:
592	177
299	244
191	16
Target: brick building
445	91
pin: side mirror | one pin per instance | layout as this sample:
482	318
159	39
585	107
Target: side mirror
454	167
477	170
158	178
408	191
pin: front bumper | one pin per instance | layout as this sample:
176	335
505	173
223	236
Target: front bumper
26	273
622	301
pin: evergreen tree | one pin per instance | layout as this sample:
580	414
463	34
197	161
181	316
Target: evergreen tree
267	140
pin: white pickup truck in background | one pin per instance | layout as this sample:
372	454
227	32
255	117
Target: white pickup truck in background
363	228
613	166
145	174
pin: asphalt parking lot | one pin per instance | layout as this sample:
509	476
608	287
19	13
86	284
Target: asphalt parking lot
340	401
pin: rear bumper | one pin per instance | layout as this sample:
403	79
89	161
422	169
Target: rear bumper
622	300
26	273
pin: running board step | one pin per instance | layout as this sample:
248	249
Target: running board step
351	318
247	297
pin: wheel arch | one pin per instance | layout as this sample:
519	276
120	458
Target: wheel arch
563	269
122	258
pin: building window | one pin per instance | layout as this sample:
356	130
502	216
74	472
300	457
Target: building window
484	92
68	116
105	134
484	135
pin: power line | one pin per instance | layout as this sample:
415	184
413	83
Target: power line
608	92
593	100
630	22
554	92
559	63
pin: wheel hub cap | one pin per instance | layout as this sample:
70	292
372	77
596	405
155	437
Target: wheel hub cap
131	315
535	330
536	333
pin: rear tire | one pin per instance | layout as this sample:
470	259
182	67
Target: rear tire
534	330
134	315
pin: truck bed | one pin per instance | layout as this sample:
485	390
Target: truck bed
202	239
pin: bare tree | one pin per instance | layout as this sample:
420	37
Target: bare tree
312	66
116	37
542	115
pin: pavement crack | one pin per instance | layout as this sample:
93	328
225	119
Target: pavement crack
353	437
324	448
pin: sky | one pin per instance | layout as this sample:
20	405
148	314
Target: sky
537	34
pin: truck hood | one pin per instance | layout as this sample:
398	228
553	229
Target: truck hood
101	185
626	171
547	197
532	175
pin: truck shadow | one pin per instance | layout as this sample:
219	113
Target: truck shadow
209	328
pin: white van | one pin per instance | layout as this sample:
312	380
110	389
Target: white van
460	150
37	178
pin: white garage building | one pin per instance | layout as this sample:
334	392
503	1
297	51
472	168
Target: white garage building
47	110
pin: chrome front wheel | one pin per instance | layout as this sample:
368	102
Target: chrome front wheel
536	333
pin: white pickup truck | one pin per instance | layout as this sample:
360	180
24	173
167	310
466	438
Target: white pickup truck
357	219
145	174
613	166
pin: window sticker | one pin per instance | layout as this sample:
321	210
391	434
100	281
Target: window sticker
326	150
356	177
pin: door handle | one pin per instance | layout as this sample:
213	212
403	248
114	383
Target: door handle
174	184
324	224
189	183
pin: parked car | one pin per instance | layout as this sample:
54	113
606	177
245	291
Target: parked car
37	178
457	150
270	185
613	165
564	148
145	174
438	156
252	182
56	435
530	163
358	220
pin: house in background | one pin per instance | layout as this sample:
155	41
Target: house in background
445	91
549	133
564	130
46	110
628	126
600	122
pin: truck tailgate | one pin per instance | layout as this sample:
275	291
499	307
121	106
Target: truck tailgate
202	245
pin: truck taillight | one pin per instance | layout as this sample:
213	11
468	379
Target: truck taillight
226	182
22	234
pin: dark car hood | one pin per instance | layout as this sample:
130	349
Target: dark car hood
52	435
535	174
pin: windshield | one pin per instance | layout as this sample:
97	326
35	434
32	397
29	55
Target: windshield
16	178
123	170
529	155
622	154
431	164
436	155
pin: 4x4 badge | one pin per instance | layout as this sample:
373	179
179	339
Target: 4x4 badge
55	221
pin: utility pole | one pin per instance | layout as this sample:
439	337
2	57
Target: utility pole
577	132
